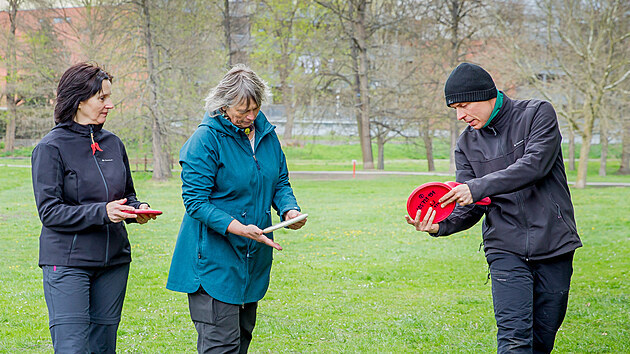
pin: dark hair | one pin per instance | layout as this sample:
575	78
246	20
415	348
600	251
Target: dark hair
80	82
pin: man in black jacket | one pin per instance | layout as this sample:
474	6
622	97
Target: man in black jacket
511	152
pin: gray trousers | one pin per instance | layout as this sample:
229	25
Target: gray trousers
221	327
84	307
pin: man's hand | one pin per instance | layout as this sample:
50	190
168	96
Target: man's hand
459	194
426	224
293	214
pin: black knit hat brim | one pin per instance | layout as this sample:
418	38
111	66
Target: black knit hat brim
471	96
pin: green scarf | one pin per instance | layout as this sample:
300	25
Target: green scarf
497	107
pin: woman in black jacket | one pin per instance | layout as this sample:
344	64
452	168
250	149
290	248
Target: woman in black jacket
83	190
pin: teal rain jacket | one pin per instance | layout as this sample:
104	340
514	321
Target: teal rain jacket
222	180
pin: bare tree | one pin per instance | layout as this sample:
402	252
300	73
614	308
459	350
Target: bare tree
12	76
624	167
237	25
583	41
581	58
460	20
354	19
161	153
179	56
282	35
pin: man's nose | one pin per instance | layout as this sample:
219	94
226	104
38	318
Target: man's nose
460	114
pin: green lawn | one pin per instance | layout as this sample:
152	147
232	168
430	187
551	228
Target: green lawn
356	278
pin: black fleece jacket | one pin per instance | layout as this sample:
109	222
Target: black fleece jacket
72	187
517	162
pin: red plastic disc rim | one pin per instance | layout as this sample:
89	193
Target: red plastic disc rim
144	211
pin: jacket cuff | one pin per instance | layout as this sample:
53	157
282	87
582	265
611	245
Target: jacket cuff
473	185
284	211
137	204
440	231
222	224
103	211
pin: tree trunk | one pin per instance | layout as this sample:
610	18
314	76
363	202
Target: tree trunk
583	163
357	97
227	27
161	165
381	151
288	126
237	31
454	134
428	145
571	149
624	168
454	7
287	99
360	42
603	140
11	78
9	137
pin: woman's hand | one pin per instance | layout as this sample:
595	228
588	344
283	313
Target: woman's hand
115	211
293	214
253	232
144	218
426	224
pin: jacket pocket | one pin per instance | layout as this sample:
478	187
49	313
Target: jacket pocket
482	168
72	245
200	241
559	214
483	165
267	222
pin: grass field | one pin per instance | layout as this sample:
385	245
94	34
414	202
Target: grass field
356	278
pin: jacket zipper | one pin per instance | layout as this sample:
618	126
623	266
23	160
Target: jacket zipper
246	273
106	198
519	198
247	257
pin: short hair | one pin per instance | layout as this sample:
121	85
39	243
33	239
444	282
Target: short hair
240	84
80	82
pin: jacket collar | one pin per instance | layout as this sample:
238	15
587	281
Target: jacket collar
219	123
79	128
501	120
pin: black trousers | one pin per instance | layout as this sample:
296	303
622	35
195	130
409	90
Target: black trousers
84	307
221	327
530	300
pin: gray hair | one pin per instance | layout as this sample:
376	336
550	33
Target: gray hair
239	84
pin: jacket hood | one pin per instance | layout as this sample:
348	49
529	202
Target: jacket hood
219	123
79	128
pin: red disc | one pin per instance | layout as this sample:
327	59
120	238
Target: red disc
144	211
428	195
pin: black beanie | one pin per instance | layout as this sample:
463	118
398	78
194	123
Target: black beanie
469	83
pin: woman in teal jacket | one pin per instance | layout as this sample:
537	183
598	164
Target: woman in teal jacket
233	172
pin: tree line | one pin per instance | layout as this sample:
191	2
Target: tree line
382	62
